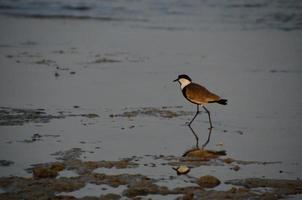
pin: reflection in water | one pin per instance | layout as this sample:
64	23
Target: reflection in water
202	153
197	138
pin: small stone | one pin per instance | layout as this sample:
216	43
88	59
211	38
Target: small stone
233	190
235	168
228	160
208	181
183	169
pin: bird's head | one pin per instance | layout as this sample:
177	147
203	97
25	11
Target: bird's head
183	80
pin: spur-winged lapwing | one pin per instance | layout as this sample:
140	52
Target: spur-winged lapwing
198	95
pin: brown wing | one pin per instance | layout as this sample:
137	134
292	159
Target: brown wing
199	94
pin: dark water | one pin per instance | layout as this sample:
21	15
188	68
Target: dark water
169	14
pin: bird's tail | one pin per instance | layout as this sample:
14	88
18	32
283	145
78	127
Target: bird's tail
220	101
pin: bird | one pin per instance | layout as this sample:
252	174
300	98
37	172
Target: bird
198	95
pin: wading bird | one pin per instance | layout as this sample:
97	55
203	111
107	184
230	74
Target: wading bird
198	95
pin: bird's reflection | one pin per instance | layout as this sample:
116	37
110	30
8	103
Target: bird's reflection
202	153
197	138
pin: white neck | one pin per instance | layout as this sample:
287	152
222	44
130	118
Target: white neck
183	82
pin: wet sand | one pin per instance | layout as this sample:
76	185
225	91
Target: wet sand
103	92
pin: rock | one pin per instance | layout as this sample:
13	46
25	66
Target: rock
48	171
57	167
182	169
228	160
235	168
43	172
203	154
208	181
110	196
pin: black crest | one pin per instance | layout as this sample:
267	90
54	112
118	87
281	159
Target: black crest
184	76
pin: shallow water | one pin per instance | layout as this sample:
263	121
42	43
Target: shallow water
169	14
126	66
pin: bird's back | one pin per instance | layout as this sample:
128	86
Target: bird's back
198	94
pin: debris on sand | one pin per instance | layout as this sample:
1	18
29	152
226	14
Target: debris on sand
38	137
19	116
6	163
44	62
71	154
43	172
105	60
46	184
280	187
16	116
154	112
243	162
272	183
144	187
90	115
47	170
69	160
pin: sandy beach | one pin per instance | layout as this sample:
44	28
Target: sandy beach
95	97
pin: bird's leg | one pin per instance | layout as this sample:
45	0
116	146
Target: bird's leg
209	116
194	115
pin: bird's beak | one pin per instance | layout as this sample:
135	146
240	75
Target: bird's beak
175	80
